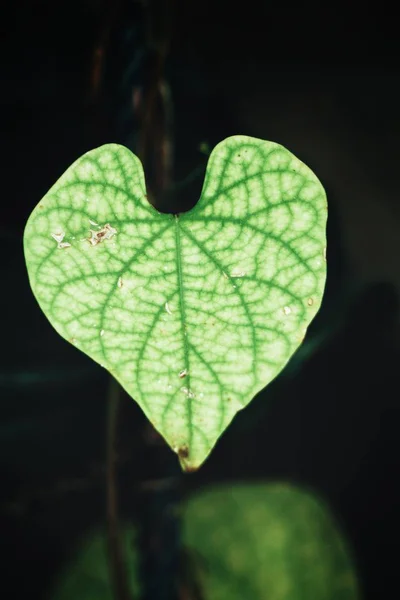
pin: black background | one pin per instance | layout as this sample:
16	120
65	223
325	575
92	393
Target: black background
324	82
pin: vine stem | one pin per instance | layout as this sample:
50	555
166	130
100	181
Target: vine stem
158	518
118	569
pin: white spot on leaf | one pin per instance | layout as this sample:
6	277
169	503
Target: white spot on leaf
167	308
94	223
58	236
102	332
287	310
310	302
238	273
183	373
59	239
120	283
188	392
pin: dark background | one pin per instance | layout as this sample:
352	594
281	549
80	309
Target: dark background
324	82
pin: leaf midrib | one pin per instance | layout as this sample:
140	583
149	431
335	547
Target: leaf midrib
185	343
236	290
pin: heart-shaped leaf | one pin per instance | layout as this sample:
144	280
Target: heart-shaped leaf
192	313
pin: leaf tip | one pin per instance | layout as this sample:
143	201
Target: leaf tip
184	459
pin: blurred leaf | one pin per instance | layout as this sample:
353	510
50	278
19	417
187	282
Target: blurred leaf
86	577
192	313
268	542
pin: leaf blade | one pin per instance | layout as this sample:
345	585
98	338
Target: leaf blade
192	313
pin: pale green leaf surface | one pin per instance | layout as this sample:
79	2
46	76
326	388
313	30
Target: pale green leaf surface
192	313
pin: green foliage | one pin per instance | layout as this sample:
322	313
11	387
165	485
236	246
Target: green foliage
87	576
270	541
258	542
192	313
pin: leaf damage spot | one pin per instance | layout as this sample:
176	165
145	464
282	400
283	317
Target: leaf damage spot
183	452
287	310
120	283
167	308
188	392
105	233
183	373
58	236
310	302
102	333
59	239
94	223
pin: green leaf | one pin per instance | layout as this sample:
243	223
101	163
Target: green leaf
86	576
260	542
192	313
268	541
